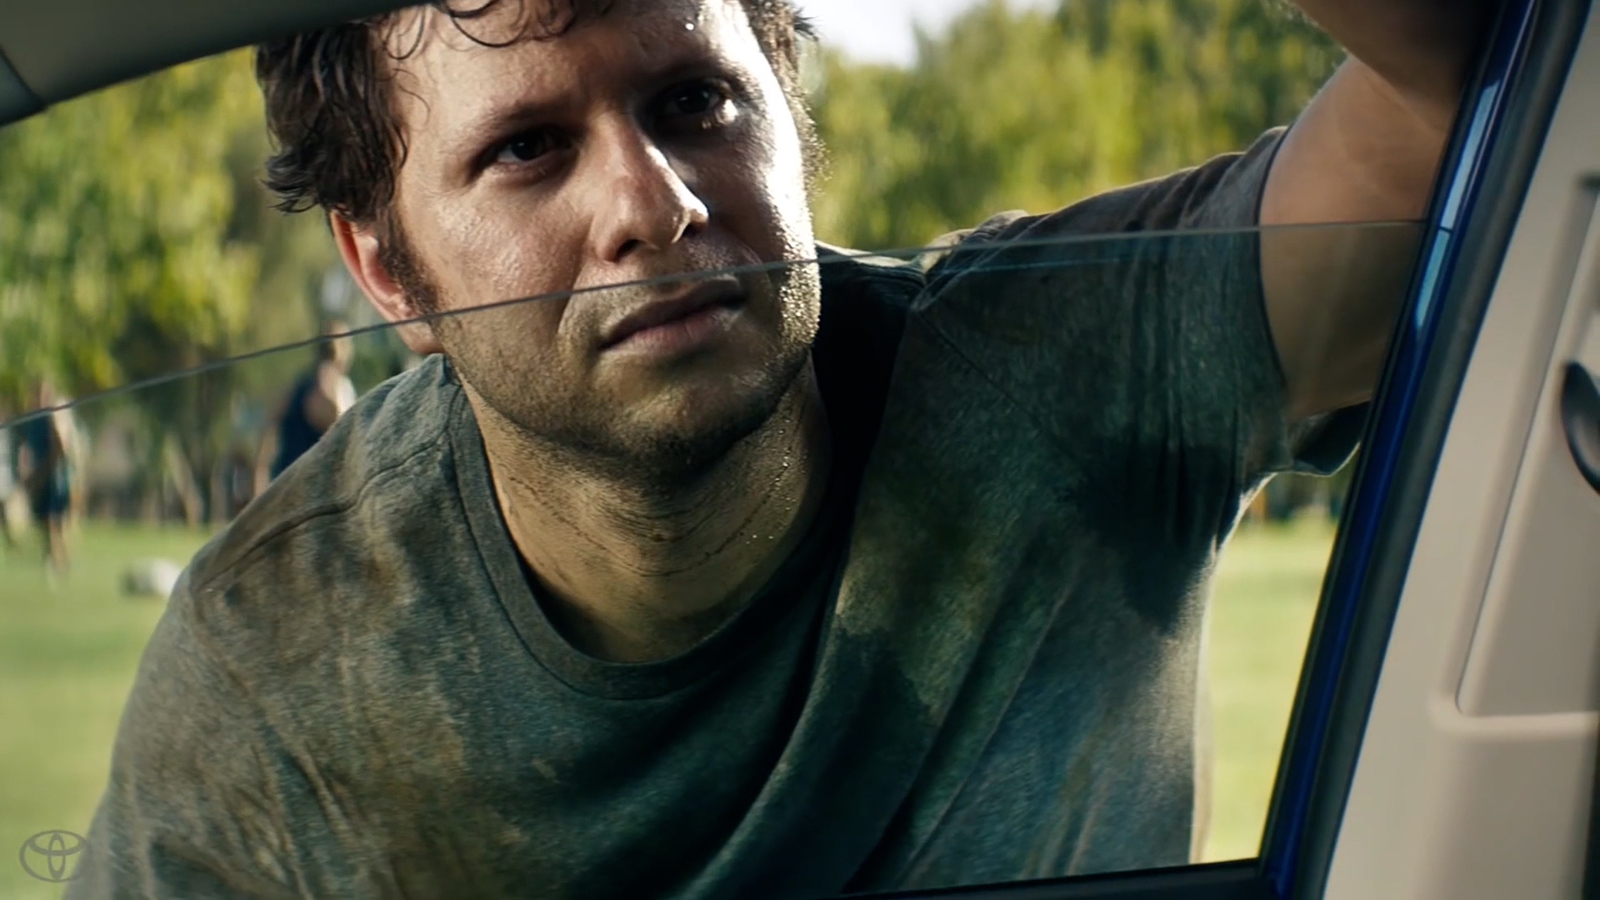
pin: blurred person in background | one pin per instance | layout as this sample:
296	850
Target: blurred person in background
316	401
8	480
47	446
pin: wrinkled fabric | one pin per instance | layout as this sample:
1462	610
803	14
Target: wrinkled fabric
980	665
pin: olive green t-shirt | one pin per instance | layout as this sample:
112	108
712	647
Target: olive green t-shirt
980	665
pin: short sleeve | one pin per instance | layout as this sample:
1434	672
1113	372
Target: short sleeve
1132	329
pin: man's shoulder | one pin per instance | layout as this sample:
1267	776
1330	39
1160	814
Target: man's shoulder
894	271
1222	194
858	273
389	450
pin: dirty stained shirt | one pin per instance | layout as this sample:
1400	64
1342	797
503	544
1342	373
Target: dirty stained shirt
979	666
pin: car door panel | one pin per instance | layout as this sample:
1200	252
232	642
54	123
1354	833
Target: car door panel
1533	649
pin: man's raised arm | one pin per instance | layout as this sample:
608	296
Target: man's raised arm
1366	149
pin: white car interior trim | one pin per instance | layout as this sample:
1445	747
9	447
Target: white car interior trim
1533	650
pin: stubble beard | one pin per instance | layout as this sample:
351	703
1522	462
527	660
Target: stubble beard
563	430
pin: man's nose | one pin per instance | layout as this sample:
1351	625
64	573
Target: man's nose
645	202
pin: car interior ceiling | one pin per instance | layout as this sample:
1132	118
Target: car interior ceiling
50	52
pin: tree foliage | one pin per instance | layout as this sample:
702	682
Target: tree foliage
135	241
1025	109
113	210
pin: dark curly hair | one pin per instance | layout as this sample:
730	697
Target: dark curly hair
329	101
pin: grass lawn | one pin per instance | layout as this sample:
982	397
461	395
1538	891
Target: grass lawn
67	660
1266	592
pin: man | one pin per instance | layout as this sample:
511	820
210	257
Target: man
776	584
44	461
316	401
8	479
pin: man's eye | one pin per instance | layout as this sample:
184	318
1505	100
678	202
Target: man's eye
704	100
527	147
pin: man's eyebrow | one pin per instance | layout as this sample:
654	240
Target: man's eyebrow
498	121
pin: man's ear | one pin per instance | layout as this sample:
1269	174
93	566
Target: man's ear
363	257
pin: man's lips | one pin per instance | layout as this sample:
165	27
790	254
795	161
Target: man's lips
672	309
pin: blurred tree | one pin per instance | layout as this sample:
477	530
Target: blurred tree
114	210
1024	109
135	241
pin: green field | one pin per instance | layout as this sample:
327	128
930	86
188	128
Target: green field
1265	597
67	658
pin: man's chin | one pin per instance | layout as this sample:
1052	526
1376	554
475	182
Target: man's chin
687	429
657	429
692	440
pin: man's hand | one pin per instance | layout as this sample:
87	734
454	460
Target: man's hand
1366	149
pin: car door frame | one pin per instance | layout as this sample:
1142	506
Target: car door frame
1474	212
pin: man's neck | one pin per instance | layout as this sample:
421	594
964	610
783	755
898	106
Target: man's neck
638	574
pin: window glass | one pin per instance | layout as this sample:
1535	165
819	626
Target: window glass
1002	587
603	519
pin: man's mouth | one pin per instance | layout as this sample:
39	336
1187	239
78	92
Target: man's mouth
677	322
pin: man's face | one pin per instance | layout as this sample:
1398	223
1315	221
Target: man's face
651	142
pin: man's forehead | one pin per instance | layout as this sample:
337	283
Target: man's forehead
510	54
501	23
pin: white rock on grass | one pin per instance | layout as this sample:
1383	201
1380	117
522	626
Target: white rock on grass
151	578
